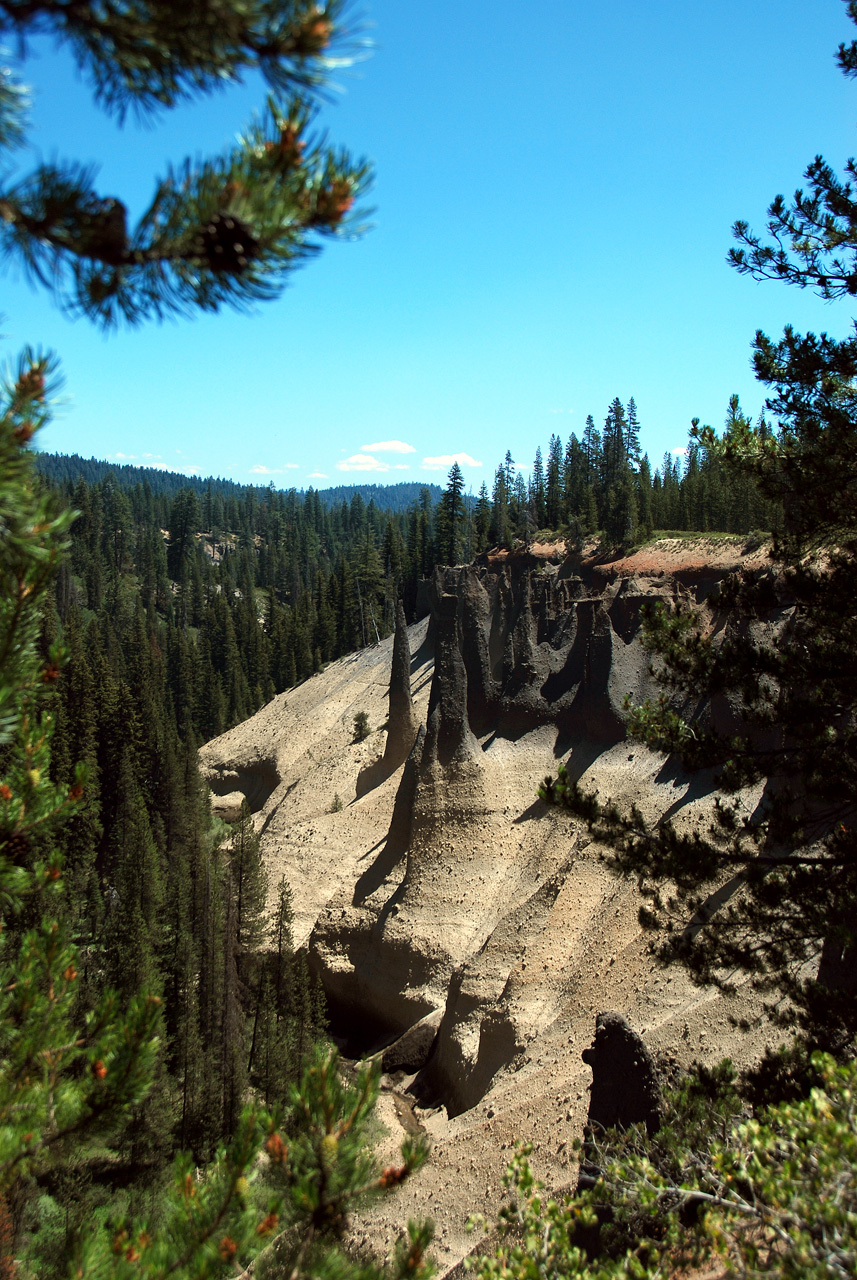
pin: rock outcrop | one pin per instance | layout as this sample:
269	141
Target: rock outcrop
625	1085
413	1049
523	653
402	723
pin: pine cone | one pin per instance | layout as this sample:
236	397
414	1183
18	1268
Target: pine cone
313	35
227	244
288	152
104	234
332	203
31	383
15	847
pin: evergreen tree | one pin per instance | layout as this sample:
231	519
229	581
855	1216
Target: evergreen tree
791	925
229	229
76	1071
645	503
574	480
553	484
592	462
536	494
632	435
482	520
249	886
501	532
614	456
451	517
184	523
621	516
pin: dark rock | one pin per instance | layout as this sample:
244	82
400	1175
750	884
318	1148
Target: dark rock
401	822
402	720
545	645
256	781
448	734
625	1085
411	1051
402	727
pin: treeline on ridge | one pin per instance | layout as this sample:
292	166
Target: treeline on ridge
604	484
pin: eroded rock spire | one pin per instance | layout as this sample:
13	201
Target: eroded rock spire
448	733
402	726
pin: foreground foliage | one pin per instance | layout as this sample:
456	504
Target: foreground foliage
134	943
773	1196
79	1065
228	229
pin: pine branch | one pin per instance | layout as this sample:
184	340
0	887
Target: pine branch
145	55
228	230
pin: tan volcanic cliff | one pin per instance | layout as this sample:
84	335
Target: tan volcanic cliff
445	890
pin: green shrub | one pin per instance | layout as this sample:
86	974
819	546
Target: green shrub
361	726
771	1196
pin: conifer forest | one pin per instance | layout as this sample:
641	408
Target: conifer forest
171	1103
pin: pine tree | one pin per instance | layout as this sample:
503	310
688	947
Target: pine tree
55	1082
482	519
249	885
450	518
536	492
614	457
632	435
621	516
574	480
553	484
501	534
791	926
75	1072
228	229
644	496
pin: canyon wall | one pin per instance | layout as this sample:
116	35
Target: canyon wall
439	899
466	876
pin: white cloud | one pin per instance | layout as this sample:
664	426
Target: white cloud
362	462
388	446
680	451
318	475
260	470
123	457
445	460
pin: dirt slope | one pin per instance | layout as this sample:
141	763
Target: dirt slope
481	907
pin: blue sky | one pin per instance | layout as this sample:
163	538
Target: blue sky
554	195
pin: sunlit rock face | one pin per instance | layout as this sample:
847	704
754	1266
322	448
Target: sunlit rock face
429	881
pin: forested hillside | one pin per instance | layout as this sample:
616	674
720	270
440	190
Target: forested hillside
246	590
62	468
604	484
183	607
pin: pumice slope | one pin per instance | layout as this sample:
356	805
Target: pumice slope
443	899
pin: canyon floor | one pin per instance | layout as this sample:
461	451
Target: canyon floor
500	920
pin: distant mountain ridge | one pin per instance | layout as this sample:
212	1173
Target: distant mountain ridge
61	469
